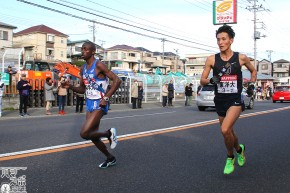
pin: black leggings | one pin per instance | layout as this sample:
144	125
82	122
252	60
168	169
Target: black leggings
23	104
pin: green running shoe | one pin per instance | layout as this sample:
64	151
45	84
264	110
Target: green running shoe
241	156
230	167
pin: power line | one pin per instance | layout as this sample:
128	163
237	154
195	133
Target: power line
134	16
115	27
130	24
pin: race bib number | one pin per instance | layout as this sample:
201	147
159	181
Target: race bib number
228	84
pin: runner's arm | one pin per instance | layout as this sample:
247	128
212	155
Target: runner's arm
79	89
244	60
116	80
208	65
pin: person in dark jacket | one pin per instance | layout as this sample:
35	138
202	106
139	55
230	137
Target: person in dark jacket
24	87
140	96
188	95
170	93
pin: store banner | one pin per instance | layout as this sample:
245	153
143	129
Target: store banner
224	12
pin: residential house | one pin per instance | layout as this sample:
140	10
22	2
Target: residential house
265	67
281	68
42	43
6	35
141	59
74	51
123	57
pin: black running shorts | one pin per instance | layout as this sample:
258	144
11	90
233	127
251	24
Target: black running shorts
223	104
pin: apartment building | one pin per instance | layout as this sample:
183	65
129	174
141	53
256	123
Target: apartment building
42	43
6	35
194	64
170	60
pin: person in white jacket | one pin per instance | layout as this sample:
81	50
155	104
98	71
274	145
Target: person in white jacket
164	94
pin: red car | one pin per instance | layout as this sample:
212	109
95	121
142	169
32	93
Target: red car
281	93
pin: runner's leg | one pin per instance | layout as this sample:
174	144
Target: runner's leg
232	115
90	131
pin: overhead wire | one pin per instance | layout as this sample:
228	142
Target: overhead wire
87	8
148	30
115	27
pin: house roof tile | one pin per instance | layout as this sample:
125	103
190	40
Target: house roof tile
7	25
40	29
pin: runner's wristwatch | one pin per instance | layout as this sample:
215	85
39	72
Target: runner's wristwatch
106	98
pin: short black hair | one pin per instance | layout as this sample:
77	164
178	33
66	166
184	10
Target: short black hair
47	79
93	45
227	29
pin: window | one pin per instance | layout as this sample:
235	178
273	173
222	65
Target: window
50	38
61	54
191	67
49	52
3	35
132	54
78	49
114	55
279	65
123	55
62	41
264	67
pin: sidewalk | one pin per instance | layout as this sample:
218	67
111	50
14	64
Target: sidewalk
70	110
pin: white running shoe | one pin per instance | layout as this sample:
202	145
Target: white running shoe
113	138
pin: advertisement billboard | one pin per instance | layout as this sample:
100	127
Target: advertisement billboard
224	12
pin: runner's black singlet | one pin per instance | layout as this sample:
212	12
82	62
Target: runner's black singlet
231	82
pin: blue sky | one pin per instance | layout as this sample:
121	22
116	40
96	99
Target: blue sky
190	20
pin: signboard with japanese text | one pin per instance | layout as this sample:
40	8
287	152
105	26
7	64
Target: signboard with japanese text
5	78
224	12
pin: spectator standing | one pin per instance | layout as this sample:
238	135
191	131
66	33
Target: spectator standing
170	93
140	96
49	96
188	95
80	97
24	87
134	93
62	93
11	72
1	93
164	94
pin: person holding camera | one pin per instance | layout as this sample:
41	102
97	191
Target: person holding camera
228	80
62	93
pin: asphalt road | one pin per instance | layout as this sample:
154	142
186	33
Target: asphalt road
188	158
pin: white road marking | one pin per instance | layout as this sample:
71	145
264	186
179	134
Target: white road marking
136	134
130	116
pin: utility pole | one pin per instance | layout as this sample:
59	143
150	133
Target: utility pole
163	41
256	8
176	63
104	52
93	27
269	56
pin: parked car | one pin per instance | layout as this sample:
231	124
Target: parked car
206	95
281	93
